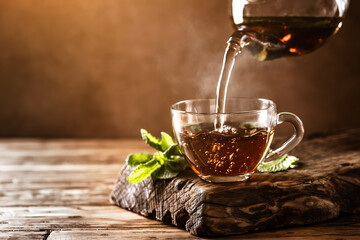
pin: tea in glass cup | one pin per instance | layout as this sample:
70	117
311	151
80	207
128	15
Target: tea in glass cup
227	147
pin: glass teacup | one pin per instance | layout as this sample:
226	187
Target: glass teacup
234	150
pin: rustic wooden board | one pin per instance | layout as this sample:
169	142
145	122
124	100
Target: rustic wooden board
326	185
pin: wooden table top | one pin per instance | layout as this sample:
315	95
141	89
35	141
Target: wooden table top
59	189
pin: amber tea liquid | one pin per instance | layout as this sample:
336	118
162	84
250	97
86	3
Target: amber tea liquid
233	153
297	35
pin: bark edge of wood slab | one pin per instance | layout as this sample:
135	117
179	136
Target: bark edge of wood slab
326	184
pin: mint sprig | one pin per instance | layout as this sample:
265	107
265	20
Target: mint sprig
166	163
281	164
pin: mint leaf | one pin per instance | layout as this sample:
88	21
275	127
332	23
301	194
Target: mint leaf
160	157
170	168
166	141
151	140
135	159
143	171
166	163
176	163
164	172
173	150
283	163
163	145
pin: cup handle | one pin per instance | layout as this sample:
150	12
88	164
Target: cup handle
295	138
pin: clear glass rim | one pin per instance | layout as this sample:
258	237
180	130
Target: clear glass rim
270	106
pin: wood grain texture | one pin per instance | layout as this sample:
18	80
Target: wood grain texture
326	185
14	235
64	185
328	231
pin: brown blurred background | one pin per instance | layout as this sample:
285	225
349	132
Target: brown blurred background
106	68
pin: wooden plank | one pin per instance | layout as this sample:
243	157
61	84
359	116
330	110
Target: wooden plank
325	185
55	152
72	218
17	235
61	172
123	234
56	195
56	185
97	222
343	228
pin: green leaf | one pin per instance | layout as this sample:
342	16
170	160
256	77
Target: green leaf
143	171
281	164
151	140
166	141
160	157
176	163
135	159
173	150
166	163
164	173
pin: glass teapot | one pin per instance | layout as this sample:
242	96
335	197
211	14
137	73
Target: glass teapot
278	28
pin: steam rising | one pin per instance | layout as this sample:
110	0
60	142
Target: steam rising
246	79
